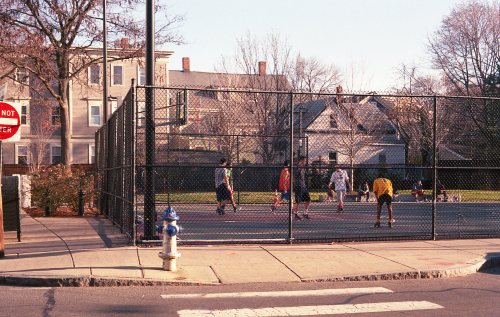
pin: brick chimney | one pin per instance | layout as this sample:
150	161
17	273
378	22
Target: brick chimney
185	64
262	68
339	97
124	42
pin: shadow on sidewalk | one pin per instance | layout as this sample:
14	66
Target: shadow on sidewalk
492	265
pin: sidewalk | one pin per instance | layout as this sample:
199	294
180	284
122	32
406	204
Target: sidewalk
90	251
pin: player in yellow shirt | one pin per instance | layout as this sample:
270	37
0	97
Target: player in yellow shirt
382	188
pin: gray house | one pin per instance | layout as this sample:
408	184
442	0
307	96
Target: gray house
348	132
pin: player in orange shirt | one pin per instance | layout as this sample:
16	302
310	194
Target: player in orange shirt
283	187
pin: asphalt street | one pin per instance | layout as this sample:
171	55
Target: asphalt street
200	222
474	295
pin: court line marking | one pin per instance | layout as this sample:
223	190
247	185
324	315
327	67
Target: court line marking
313	310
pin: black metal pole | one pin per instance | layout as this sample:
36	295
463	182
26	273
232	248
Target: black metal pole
238	162
434	168
80	200
133	176
149	191
104	200
300	133
290	204
104	64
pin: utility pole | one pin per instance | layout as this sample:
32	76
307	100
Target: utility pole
149	191
104	64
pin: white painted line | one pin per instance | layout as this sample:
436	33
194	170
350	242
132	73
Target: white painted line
312	310
9	121
319	292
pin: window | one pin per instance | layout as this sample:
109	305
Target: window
22	154
95	112
141	113
56	115
332	158
382	159
117	78
286	123
94	74
91	154
141	76
113	104
24	114
55	154
333	121
22	76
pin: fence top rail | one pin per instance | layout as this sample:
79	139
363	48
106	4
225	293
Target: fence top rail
283	92
254	135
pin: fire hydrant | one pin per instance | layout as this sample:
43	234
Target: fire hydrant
169	253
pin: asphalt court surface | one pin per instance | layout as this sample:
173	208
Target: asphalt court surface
413	220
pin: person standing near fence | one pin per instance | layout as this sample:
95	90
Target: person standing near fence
222	187
340	180
383	190
364	190
229	173
300	188
283	186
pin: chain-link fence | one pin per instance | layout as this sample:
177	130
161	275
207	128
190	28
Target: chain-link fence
169	154
115	162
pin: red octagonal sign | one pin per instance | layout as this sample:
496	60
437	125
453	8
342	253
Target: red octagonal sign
9	121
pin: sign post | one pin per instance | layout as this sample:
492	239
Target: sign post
9	125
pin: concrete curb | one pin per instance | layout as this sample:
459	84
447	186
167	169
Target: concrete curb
88	281
478	266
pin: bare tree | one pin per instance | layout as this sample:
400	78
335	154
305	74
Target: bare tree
466	47
467	50
226	123
311	75
413	114
42	131
263	66
51	41
283	71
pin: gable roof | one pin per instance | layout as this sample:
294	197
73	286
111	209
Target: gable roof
372	116
310	111
369	117
204	80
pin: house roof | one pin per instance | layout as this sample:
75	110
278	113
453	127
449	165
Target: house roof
204	80
310	111
447	154
369	116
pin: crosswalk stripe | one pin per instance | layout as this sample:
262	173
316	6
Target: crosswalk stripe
319	292
313	310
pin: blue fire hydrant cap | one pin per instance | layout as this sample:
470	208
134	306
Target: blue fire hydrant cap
170	214
172	230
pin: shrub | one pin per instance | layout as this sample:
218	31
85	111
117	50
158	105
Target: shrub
58	186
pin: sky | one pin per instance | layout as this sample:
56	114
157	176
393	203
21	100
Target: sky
368	40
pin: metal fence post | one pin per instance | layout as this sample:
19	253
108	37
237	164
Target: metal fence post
238	162
133	176
149	191
80	199
290	204
434	168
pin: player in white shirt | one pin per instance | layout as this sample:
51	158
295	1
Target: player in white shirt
340	180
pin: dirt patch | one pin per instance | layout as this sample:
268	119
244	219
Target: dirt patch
61	212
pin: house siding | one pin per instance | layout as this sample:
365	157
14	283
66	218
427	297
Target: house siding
83	134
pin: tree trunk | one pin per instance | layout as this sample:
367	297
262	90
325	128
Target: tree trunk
65	135
62	58
351	181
